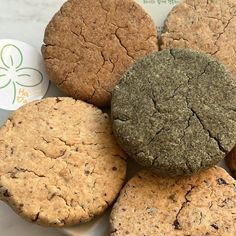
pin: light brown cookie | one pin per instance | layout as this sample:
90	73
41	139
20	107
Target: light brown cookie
90	43
59	162
203	205
231	161
205	25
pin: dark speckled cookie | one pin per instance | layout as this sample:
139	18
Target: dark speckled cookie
174	111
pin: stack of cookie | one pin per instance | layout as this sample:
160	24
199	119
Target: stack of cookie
173	111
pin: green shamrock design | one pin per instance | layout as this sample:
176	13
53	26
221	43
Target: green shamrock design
12	73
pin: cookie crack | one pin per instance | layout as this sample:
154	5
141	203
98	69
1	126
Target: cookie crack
36	217
67	76
221	148
172	53
224	29
64	141
28	171
176	223
84	38
62	47
194	113
93	94
113	64
104	89
45	154
187	126
153	98
156	134
104	61
219	36
64	199
119	119
102	6
122	44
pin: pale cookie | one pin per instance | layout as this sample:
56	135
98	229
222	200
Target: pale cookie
203	205
174	111
205	25
231	161
59	162
90	43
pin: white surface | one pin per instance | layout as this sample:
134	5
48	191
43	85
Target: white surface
25	20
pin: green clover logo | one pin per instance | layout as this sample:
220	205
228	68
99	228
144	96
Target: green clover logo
13	74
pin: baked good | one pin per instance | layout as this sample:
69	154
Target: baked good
59	162
174	111
208	26
89	44
200	205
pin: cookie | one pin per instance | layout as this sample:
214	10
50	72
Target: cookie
90	43
197	206
59	162
231	161
208	26
174	111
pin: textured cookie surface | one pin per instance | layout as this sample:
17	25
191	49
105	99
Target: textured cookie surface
203	25
59	162
89	44
231	161
197	206
174	111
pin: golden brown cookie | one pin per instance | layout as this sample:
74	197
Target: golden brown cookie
59	162
90	43
205	25
231	161
203	205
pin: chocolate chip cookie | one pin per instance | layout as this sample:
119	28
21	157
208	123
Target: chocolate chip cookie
198	206
59	162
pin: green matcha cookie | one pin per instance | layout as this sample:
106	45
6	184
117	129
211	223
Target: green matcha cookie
175	111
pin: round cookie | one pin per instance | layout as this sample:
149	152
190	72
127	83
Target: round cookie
231	161
90	43
208	26
174	111
59	162
197	206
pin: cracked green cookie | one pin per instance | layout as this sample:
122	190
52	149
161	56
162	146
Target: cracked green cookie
89	44
174	111
200	205
59	162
